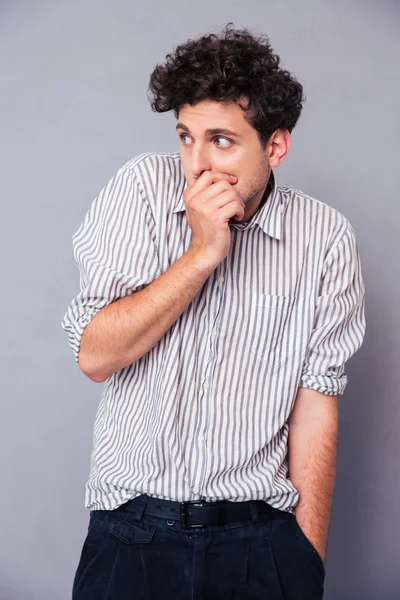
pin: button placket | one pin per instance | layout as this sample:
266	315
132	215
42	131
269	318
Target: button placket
213	334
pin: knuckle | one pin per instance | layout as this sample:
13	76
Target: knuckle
191	202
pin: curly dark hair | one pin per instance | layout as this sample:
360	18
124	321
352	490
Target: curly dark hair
234	66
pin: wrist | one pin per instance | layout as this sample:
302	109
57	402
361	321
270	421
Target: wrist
313	531
202	261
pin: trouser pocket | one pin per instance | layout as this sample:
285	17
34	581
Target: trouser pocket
299	567
111	564
307	543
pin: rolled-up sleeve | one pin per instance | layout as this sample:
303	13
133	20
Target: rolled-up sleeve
115	251
339	323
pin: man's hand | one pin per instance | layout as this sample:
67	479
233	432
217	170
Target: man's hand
210	201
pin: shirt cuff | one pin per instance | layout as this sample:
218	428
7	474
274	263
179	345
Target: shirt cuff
75	336
330	386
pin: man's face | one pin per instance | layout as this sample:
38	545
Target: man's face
216	137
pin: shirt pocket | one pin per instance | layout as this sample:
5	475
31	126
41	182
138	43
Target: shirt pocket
272	329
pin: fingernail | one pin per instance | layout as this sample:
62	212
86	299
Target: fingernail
232	178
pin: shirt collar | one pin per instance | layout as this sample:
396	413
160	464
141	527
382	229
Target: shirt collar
268	218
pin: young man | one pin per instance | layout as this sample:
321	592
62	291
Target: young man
220	309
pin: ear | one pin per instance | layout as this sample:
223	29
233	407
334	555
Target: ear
278	147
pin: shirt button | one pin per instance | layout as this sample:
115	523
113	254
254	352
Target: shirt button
220	279
201	438
213	332
206	386
196	490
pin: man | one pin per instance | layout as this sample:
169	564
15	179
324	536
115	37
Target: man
220	310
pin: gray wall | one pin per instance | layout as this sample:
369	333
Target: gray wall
73	108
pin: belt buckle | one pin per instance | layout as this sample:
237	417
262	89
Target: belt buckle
184	515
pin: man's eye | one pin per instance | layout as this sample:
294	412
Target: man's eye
221	142
225	142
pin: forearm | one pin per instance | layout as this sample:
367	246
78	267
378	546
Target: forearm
125	330
313	429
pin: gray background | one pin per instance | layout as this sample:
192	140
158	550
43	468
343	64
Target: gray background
73	108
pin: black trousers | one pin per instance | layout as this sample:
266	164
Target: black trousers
131	556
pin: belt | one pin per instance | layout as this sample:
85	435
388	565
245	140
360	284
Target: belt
198	513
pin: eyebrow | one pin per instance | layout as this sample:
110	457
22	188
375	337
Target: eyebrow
210	132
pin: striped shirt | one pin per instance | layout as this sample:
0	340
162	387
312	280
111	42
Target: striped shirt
203	415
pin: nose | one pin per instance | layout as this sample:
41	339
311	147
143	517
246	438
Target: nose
200	161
